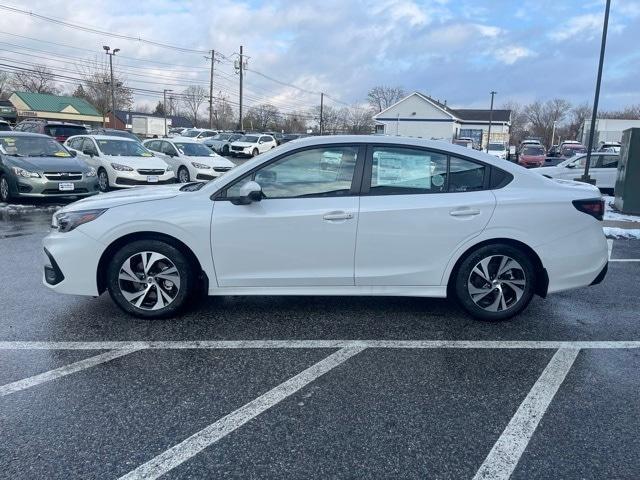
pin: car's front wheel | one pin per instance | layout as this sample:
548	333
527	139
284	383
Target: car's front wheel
5	193
495	282
225	150
150	279
103	180
255	152
183	175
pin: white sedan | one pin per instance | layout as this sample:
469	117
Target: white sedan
395	216
120	162
252	145
603	168
191	160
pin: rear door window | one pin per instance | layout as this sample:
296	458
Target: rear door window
64	130
405	170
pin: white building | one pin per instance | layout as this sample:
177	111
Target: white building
607	129
419	115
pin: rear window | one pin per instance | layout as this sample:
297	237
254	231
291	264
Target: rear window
533	151
4	127
64	130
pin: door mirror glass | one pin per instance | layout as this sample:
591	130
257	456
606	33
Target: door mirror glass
88	151
249	192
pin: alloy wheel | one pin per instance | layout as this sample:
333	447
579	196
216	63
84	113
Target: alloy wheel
4	189
183	175
496	283
103	181
149	280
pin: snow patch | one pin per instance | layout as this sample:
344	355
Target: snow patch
614	232
16	209
612	214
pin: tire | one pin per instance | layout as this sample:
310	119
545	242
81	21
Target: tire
183	175
103	180
225	150
490	294
255	152
5	190
140	297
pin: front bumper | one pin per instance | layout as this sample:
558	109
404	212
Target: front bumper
133	179
43	187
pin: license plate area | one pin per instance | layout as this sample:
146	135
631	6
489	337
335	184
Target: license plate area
66	187
152	178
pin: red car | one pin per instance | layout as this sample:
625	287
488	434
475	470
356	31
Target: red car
532	156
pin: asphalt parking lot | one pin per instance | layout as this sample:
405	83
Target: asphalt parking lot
315	387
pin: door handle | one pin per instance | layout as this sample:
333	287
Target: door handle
331	216
464	212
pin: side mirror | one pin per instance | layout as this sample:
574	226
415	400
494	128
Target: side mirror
571	165
250	192
88	151
73	153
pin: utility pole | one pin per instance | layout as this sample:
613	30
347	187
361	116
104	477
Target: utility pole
321	113
213	56
106	48
594	114
553	133
241	68
164	108
490	120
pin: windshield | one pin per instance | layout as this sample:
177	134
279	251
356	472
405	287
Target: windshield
64	130
569	151
496	146
123	148
28	146
248	139
533	151
222	136
193	149
190	133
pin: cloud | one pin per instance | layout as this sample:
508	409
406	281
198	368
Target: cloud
587	25
512	53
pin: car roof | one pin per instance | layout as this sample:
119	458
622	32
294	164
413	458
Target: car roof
15	133
104	137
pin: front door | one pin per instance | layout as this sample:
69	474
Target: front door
303	231
419	207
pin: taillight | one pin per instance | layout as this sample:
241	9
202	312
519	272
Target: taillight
591	206
61	139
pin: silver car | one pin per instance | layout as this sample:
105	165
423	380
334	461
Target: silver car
222	142
34	165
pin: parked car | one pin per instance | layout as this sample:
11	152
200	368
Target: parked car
35	165
402	216
277	136
191	160
222	142
603	168
58	130
532	156
464	142
252	145
287	137
571	149
498	150
5	126
120	162
113	132
554	151
610	147
198	134
177	131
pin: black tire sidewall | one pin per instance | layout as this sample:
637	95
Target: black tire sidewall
8	198
225	150
472	259
255	152
183	169
106	188
186	270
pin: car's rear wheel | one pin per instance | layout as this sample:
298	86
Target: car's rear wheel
5	192
183	175
255	152
495	282
150	279
103	180
225	150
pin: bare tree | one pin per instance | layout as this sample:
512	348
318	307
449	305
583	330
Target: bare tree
263	116
519	121
223	116
39	79
381	97
542	115
5	85
632	112
193	98
359	120
295	122
96	89
578	115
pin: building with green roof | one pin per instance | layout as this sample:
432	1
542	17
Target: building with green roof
55	107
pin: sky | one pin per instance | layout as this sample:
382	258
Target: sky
458	50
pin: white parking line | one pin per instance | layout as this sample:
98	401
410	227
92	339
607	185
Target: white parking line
249	344
186	449
624	259
62	371
609	246
505	454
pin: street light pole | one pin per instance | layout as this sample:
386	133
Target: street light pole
585	176
490	120
553	133
107	49
164	108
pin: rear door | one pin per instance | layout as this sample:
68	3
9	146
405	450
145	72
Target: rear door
605	170
416	208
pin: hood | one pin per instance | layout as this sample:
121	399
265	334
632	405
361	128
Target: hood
125	197
242	144
137	162
50	164
212	161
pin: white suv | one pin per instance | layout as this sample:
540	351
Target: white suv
121	162
252	145
198	134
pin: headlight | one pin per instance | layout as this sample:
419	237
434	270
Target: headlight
200	165
91	172
121	168
169	168
25	173
67	221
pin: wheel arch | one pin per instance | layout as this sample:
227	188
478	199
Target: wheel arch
117	244
542	278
